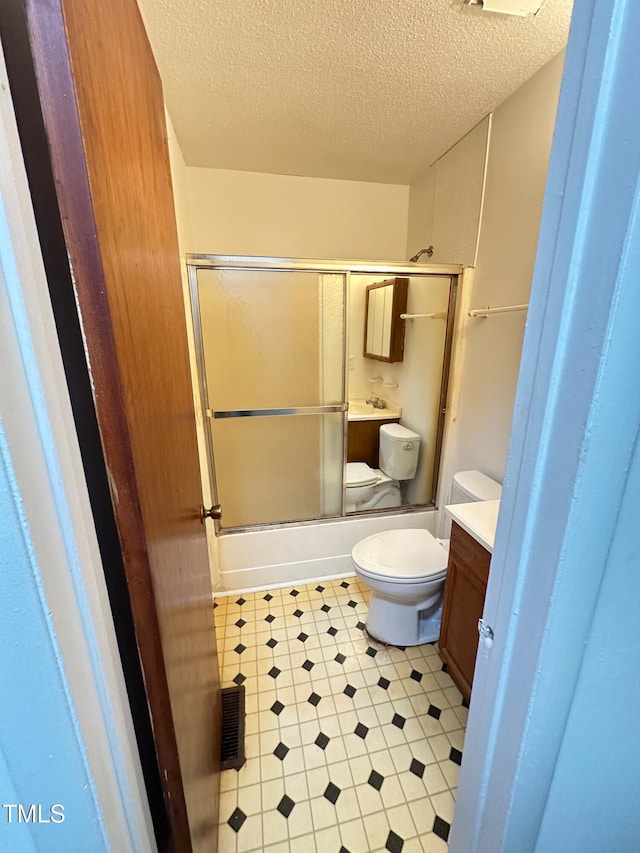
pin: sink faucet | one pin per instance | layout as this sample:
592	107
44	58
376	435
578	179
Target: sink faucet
377	403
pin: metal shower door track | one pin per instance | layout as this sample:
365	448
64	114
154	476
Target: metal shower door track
242	262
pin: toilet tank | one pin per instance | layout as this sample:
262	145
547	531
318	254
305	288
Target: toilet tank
399	448
471	486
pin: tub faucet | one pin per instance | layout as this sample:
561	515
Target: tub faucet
377	403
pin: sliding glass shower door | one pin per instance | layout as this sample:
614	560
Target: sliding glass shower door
271	347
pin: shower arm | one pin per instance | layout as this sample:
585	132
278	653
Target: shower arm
428	252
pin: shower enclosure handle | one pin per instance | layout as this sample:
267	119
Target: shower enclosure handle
291	410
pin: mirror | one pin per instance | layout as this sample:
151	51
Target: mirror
410	393
384	329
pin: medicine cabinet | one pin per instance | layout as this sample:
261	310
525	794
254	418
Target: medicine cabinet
384	328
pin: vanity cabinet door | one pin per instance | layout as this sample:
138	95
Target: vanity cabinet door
464	594
363	441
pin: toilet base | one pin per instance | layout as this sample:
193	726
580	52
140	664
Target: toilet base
400	624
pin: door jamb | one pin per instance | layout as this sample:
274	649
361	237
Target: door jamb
548	561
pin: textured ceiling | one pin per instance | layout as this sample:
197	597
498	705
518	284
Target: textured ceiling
371	90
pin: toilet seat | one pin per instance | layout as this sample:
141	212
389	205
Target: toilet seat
359	474
401	556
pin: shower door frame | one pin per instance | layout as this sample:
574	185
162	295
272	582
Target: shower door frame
195	262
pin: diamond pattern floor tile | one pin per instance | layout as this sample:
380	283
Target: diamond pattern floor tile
351	745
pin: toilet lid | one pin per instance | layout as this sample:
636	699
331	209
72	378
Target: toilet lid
402	555
360	474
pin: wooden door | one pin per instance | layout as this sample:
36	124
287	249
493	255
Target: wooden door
103	111
465	587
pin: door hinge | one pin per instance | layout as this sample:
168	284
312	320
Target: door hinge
486	633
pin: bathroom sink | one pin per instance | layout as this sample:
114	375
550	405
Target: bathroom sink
361	411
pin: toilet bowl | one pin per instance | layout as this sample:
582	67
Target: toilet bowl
406	572
369	488
379	488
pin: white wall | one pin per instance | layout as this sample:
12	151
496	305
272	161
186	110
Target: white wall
181	203
250	213
519	148
445	203
457	198
179	181
420	224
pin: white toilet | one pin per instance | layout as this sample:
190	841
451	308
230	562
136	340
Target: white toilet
406	570
379	488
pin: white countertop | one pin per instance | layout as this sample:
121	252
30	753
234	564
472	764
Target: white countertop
359	410
479	519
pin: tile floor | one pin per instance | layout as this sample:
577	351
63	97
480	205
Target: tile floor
352	746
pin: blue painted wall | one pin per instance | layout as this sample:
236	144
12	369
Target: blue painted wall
42	756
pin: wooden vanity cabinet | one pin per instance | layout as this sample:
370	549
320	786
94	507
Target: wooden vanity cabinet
363	440
464	593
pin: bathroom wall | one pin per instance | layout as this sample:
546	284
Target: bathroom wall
180	195
250	213
521	135
420	219
445	202
418	376
447	206
179	181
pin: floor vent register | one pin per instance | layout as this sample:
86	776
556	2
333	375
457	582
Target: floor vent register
233	724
